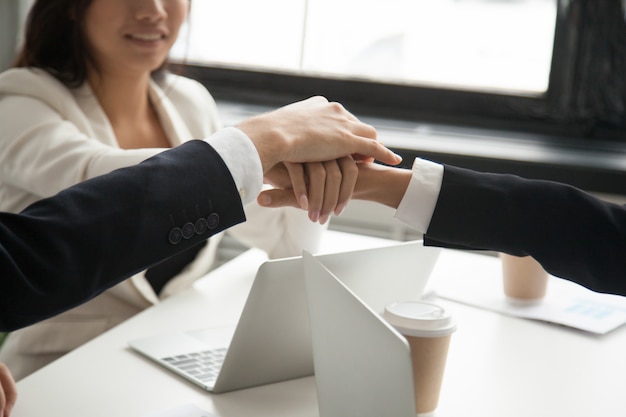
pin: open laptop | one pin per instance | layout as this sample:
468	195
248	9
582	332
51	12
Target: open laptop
362	365
272	340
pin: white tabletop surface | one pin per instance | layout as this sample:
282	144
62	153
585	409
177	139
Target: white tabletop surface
498	366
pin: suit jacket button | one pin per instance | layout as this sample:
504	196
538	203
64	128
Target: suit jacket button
188	230
201	226
175	236
213	220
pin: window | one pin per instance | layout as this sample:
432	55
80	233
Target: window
533	87
491	45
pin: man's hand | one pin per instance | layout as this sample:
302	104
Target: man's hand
313	130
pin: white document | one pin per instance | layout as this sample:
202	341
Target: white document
565	303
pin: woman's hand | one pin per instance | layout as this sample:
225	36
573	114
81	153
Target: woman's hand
375	182
322	188
8	391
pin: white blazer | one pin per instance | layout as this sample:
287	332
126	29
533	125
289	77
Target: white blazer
53	137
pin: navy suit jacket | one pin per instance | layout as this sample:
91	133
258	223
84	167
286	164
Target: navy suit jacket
571	233
64	250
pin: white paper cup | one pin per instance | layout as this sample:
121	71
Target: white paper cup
524	280
428	329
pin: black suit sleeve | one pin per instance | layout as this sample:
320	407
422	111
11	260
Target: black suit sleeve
571	233
66	249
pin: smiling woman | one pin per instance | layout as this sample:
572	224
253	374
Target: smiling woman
84	34
91	93
135	35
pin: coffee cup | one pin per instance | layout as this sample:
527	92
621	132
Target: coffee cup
428	329
524	280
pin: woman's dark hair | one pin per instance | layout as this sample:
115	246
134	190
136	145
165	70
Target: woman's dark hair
54	40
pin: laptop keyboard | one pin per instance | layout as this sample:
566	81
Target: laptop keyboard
203	366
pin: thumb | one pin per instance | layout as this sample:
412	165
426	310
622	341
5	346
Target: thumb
278	198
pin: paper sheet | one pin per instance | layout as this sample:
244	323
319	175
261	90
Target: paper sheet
566	303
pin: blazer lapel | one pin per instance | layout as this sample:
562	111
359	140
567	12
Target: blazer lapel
175	128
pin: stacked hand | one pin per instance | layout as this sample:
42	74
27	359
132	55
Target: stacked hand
374	182
321	188
311	150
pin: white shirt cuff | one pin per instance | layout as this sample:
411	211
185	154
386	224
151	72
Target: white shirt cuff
418	204
241	158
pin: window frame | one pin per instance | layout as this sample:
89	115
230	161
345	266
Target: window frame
575	112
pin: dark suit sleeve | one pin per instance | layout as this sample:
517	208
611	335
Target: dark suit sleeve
571	233
66	249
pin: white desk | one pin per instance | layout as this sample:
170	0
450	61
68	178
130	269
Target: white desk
498	366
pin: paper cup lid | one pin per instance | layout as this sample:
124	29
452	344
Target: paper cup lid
419	318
